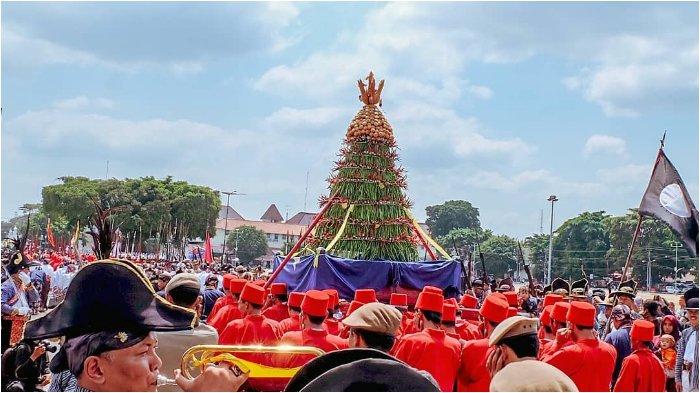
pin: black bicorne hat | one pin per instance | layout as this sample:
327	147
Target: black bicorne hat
372	375
626	288
579	288
18	260
559	284
321	364
108	295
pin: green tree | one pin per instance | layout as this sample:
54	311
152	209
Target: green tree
464	238
537	248
581	243
252	243
450	215
499	255
655	241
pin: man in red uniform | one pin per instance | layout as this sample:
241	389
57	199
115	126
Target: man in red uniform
253	328
449	316
224	300
314	309
331	324
641	371
589	362
230	311
400	302
430	349
545	333
293	323
473	375
557	321
278	311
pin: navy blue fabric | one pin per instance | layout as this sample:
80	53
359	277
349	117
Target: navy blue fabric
347	275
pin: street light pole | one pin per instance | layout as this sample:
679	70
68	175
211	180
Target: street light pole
552	198
675	271
228	195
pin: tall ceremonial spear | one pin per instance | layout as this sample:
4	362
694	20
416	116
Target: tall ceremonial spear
666	199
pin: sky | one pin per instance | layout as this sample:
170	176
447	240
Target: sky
499	104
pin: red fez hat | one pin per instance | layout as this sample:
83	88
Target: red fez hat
278	288
581	314
227	280
559	311
512	311
260	283
642	330
495	308
430	288
332	298
253	294
430	301
236	285
552	298
452	301
449	312
469	301
470	314
512	298
365	296
295	299
398	299
354	305
544	317
315	303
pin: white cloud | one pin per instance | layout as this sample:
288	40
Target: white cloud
292	118
482	92
627	174
637	74
83	102
605	144
496	181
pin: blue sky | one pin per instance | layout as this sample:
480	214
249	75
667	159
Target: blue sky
501	104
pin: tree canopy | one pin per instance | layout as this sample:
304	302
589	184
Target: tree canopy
147	204
450	215
251	243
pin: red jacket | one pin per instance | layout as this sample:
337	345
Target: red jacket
308	338
473	375
589	363
251	330
467	331
225	315
218	304
332	326
433	351
291	324
641	372
277	311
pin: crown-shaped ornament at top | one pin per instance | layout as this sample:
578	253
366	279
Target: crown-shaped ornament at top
369	94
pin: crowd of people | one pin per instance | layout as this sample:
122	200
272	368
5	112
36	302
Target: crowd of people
124	326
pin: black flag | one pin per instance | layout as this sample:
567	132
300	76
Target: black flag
667	199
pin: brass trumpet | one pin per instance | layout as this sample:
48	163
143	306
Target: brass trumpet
200	355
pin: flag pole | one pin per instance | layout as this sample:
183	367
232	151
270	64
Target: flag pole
636	232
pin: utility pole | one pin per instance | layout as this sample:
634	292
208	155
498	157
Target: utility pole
228	195
675	270
648	269
552	198
306	190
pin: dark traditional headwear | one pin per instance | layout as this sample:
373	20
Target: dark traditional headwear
579	288
18	260
691	298
107	295
561	287
626	288
372	375
547	289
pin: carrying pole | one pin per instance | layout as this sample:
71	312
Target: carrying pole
303	237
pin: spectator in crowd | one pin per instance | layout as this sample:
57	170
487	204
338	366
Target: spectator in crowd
183	290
